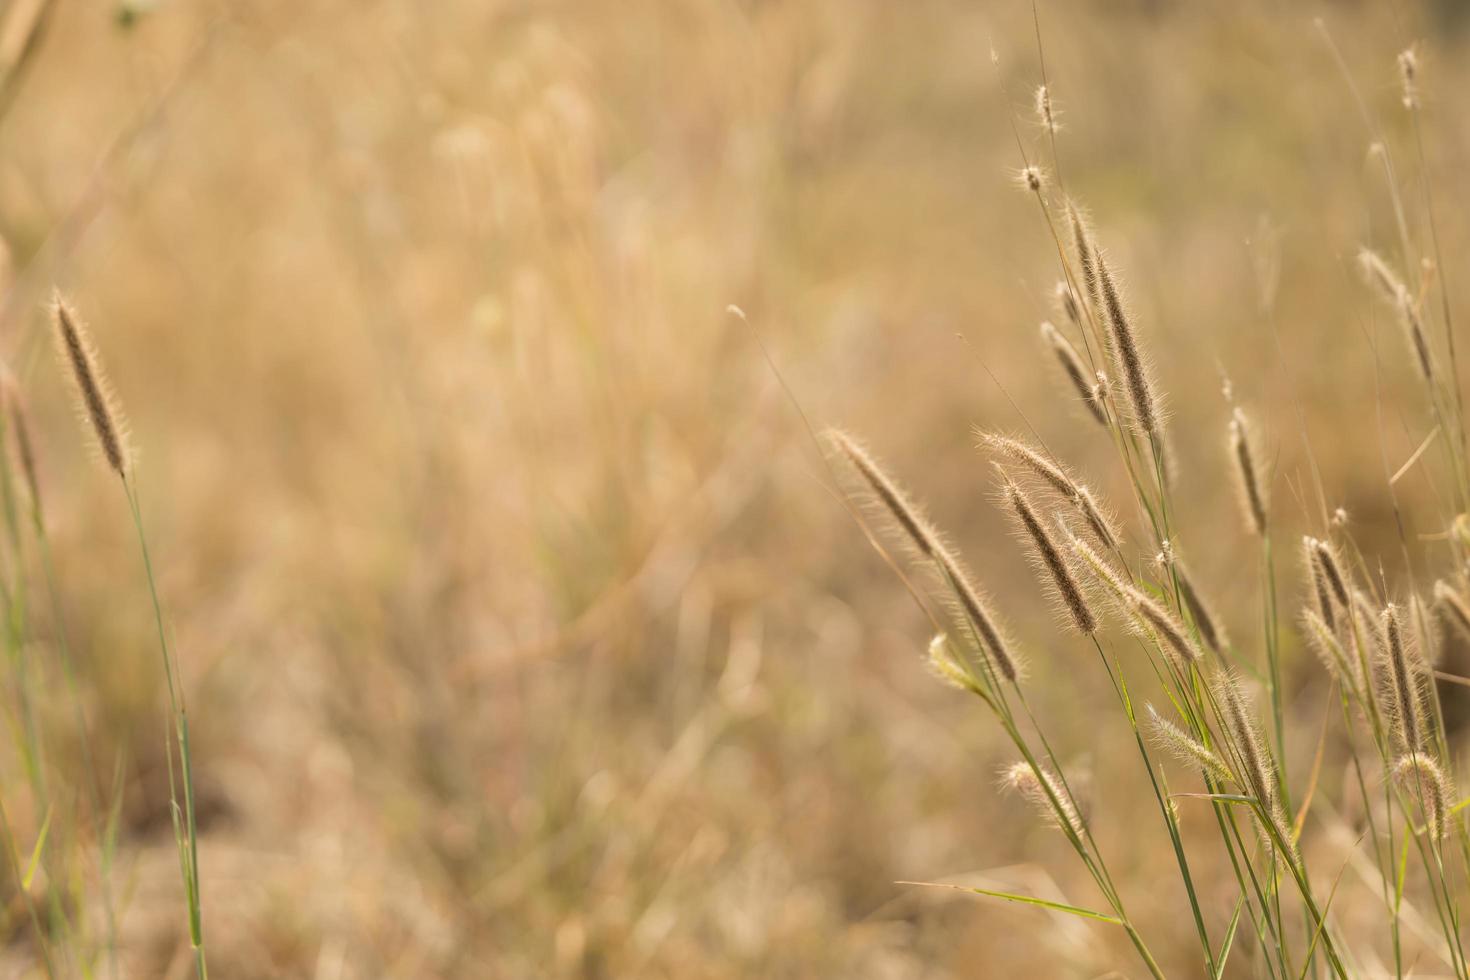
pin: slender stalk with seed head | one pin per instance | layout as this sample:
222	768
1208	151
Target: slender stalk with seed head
1074	600
1332	570
1072	366
1127	353
1186	747
1055	805
1396	294
1067	303
926	542
99	407
1211	630
1421	776
1058	479
1247	473
1404	675
1324	643
1259	771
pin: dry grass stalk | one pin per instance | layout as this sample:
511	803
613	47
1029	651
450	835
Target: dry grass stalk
15	411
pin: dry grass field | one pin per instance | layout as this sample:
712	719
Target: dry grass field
520	613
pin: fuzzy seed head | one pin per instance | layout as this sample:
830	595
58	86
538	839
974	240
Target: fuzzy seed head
1331	571
1259	768
1072	366
926	544
1324	643
1186	748
892	501
946	666
1163	624
1079	611
1393	292
1247	474
1211	630
1405	693
1127	354
1408	61
1044	113
1045	793
94	395
1422	778
1067	303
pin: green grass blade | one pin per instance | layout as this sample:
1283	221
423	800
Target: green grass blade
1022	899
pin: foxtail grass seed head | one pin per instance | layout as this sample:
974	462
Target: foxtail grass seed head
1052	474
946	666
1031	177
1323	641
1421	777
1163	624
1079	611
1086	250
893	505
1409	77
1045	114
1127	354
1211	630
1406	695
1259	768
1067	303
1247	473
892	501
1186	748
1453	611
1331	570
1393	291
94	394
1317	575
1368	622
975	611
1098	520
1018	452
1072	365
1050	800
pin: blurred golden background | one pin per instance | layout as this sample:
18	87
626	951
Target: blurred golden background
520	635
